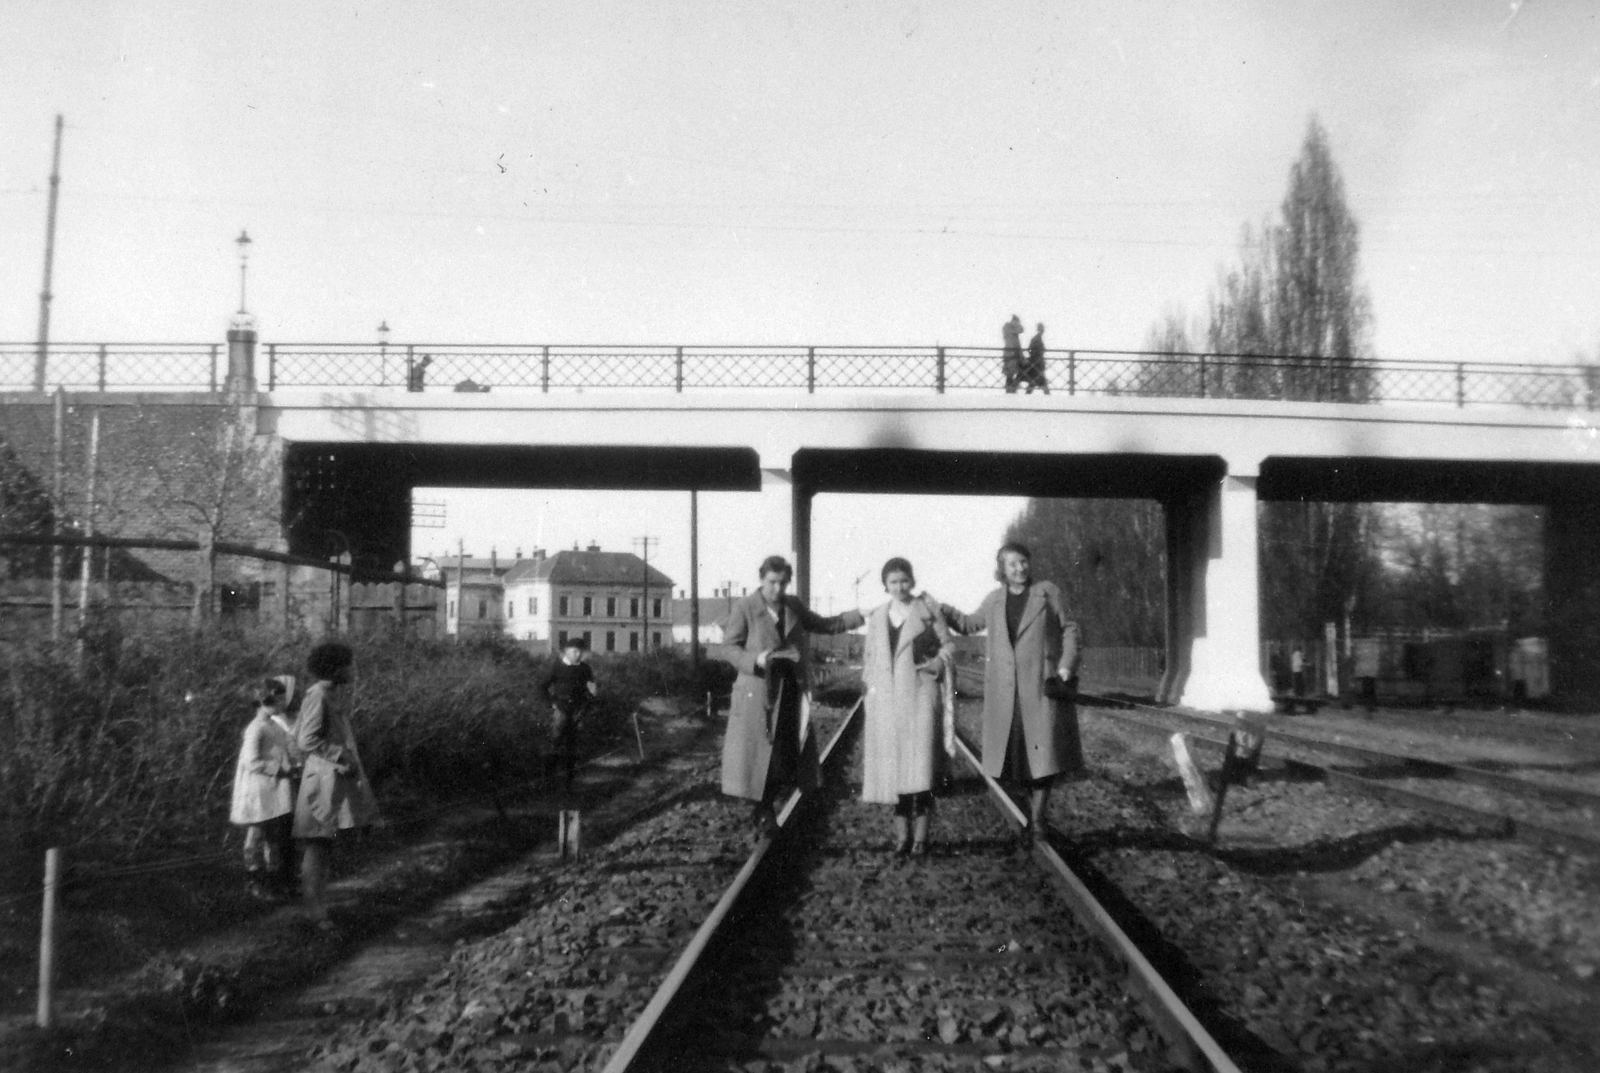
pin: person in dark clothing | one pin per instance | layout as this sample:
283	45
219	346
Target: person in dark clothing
1011	355
569	687
1033	369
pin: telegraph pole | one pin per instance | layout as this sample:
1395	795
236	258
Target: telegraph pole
49	261
694	582
645	542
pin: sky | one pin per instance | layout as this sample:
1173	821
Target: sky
786	173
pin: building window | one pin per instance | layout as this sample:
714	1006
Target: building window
655	639
483	608
633	641
588	639
452	611
511	609
561	639
561	608
633	607
611	641
611	607
655	607
533	605
588	607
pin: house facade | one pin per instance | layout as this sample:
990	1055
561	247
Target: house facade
600	596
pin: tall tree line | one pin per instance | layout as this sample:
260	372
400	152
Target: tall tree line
1292	319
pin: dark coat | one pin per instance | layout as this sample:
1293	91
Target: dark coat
1046	640
747	632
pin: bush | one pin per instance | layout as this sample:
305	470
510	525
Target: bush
138	750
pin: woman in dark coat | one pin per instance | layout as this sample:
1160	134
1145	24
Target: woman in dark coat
1029	736
767	749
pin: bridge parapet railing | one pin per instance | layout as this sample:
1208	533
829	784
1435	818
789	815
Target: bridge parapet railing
935	369
114	366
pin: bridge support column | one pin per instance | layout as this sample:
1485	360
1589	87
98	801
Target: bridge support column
1572	595
786	525
1213	611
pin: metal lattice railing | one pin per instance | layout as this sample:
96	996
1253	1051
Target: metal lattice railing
562	368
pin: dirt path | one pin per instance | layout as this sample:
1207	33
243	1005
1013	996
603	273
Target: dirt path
247	998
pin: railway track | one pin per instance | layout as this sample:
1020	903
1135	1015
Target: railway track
973	957
1383	772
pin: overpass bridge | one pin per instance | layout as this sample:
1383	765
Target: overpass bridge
1209	437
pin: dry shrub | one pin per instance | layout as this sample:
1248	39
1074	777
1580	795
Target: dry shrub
137	750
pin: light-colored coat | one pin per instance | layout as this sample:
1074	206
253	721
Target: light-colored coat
330	800
1046	639
748	631
903	727
261	780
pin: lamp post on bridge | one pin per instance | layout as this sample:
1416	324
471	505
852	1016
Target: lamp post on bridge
383	353
241	331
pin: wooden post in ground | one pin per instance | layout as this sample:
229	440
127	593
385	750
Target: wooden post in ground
569	834
47	936
638	735
1193	782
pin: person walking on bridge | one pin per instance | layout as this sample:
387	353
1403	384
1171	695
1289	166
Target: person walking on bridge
767	749
1011	355
1033	369
1030	725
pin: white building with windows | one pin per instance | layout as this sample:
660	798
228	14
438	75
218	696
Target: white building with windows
602	596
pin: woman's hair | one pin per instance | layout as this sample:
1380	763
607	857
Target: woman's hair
329	658
1016	547
272	691
897	564
776	564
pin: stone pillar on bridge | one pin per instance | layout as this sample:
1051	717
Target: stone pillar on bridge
1213	610
1572	600
241	378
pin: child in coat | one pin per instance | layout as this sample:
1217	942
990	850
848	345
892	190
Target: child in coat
569	686
263	787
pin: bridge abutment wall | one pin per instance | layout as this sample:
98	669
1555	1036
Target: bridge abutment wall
1572	594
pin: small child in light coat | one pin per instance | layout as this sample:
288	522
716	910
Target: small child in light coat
263	787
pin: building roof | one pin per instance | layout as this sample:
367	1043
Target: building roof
590	567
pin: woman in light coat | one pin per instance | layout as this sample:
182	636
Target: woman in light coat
1029	736
334	793
907	655
767	749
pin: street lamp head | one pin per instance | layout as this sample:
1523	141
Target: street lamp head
383	333
243	242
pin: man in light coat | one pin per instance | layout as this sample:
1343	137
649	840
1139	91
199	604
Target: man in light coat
767	749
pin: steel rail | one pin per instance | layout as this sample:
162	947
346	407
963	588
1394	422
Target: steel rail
639	1032
1423	766
1500	822
1183	1031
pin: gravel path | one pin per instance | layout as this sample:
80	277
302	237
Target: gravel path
1346	933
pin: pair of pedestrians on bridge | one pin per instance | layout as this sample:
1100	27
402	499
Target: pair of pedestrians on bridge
1030	733
1017	368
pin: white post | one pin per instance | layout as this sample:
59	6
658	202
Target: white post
47	935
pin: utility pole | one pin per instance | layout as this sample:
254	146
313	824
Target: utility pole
694	582
645	542
41	358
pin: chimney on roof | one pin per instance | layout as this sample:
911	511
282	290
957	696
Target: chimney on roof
519	553
592	547
494	560
538	555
